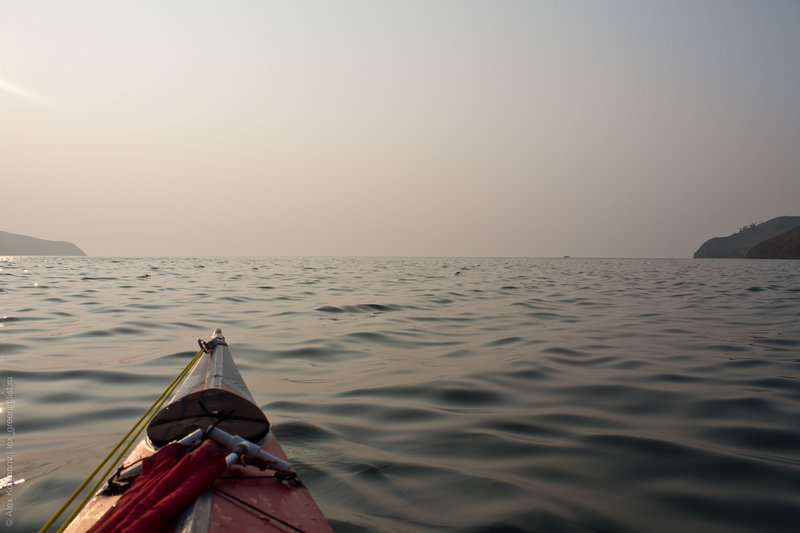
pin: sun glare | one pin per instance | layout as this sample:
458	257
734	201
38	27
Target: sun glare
22	93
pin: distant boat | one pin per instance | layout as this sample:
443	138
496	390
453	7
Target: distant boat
566	257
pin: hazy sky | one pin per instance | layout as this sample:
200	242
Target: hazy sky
511	128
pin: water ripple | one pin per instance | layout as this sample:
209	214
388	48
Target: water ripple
437	395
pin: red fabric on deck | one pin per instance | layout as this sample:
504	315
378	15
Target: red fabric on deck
170	479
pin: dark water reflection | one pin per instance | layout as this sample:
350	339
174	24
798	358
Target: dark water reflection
436	394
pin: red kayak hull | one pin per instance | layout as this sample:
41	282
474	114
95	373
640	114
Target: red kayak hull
244	499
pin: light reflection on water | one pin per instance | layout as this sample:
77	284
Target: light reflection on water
437	394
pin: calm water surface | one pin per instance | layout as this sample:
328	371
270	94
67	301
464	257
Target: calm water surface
433	395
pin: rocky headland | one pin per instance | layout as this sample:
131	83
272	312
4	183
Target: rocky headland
773	239
784	246
13	244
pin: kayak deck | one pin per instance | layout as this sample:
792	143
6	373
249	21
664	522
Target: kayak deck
244	498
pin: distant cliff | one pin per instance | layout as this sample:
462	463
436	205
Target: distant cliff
738	244
13	244
784	246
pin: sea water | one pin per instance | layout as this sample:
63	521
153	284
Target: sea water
432	394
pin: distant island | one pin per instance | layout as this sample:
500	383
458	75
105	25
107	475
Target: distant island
778	238
13	244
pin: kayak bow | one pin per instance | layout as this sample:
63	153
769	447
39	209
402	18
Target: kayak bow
258	489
